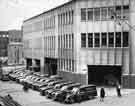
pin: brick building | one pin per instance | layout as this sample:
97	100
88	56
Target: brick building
15	47
3	44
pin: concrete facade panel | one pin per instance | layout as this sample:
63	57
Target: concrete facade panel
111	57
118	57
104	60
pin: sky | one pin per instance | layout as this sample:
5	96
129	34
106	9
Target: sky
13	12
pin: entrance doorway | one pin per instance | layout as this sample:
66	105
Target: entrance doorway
104	75
51	66
28	63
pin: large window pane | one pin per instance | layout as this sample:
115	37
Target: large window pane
90	40
97	39
110	13
97	14
125	39
126	12
111	39
83	39
90	14
118	11
103	13
118	39
83	14
104	39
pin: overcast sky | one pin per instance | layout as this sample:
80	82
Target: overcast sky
13	12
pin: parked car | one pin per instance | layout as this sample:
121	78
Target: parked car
57	88
53	84
84	92
37	83
49	86
55	77
61	95
14	75
44	84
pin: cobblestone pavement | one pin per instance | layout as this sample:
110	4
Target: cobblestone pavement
32	98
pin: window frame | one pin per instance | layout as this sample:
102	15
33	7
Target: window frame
83	40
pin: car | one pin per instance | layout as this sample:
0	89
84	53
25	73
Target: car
84	92
23	80
14	75
44	84
61	95
57	88
37	83
55	77
50	86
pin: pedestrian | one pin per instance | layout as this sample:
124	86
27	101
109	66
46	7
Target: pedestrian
102	94
118	89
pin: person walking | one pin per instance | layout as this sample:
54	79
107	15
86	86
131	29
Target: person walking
102	94
118	89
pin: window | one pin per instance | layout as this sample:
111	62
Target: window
126	12
69	41
72	18
97	14
83	14
97	40
69	15
125	39
72	41
118	11
90	40
66	18
64	46
110	13
66	41
118	39
111	39
63	18
103	13
90	14
104	39
83	39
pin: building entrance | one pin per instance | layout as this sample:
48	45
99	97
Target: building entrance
51	66
28	63
104	75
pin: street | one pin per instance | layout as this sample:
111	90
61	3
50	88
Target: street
33	98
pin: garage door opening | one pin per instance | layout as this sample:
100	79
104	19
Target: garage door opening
104	75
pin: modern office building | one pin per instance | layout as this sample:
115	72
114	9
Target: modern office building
15	47
4	44
87	41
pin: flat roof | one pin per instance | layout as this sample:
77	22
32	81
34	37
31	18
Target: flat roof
49	10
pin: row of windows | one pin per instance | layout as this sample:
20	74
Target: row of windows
66	64
65	18
50	22
104	13
15	40
49	42
66	41
3	35
104	39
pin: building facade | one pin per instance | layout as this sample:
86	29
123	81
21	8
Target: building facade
84	40
15	47
4	44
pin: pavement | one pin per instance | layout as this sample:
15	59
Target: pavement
33	98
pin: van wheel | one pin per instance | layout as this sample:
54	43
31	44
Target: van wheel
71	100
90	97
79	99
